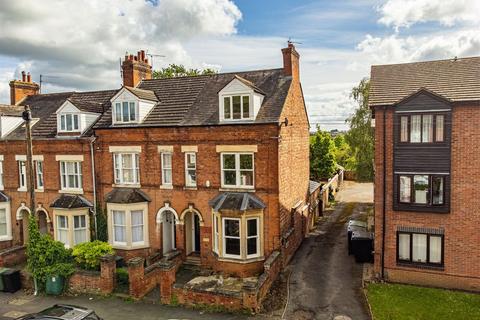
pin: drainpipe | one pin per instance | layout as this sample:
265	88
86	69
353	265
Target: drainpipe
384	188
92	141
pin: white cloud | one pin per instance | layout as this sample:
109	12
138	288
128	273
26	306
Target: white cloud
404	13
82	41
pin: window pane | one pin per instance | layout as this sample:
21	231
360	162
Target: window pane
167	160
232	228
69	122
125	117
421	188
405	188
3	222
404	246
237	112
232	246
137	226
246	161
132	111
192	177
415	127
119	226
246	106
229	178
439	128
435	249
226	108
246	178
437	190
118	112
252	247
62	122
252	227
228	161
79	222
191	160
419	253
75	121
427	134
167	176
404	129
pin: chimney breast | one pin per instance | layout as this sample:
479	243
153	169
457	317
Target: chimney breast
135	69
19	89
291	62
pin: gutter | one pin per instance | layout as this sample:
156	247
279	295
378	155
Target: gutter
92	141
384	204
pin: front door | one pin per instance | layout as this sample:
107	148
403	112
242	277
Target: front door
196	233
168	232
42	223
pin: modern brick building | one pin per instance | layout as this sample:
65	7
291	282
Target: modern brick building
214	167
426	165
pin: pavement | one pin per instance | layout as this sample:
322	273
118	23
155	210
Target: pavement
326	283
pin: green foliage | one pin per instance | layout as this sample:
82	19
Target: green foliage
45	256
343	153
102	227
87	255
322	155
360	137
178	70
122	276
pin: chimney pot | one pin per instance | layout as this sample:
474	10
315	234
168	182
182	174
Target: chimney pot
29	78
139	56
142	54
135	58
146	61
130	57
23	76
126	57
291	62
135	72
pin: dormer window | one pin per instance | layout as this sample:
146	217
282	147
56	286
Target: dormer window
69	122
125	112
236	107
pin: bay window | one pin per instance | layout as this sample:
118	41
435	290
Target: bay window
237	170
422	128
420	248
231	238
72	226
421	189
127	225
125	112
71	175
126	168
253	239
62	230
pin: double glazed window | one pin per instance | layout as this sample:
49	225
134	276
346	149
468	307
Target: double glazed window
3	223
422	189
236	107
231	237
79	229
126	168
237	238
166	168
69	122
420	248
190	169
62	230
125	112
22	174
71	175
128	227
39	174
237	170
71	229
1	174
422	128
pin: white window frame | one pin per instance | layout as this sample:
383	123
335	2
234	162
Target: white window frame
70	215
2	186
62	118
224	238
237	170
39	176
22	175
136	243
127	210
130	103
64	173
216	233
8	221
118	172
257	236
230	97
166	168
83	229
124	226
63	229
188	181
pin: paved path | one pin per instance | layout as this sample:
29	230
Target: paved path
325	282
14	305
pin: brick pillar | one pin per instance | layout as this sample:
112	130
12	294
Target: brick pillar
136	272
250	296
180	238
108	273
167	279
205	246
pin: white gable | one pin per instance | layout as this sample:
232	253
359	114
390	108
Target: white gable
235	88
8	124
85	119
124	95
68	107
142	107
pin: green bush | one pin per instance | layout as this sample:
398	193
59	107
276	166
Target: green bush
102	228
122	276
87	255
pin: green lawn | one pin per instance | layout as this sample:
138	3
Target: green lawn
404	302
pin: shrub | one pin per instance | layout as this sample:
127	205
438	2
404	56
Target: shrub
122	276
87	255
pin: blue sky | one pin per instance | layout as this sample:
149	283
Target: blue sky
81	42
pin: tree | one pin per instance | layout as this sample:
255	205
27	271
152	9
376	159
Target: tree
322	156
361	134
178	70
343	153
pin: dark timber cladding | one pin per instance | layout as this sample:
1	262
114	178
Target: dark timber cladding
428	158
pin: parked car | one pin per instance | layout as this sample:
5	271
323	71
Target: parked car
63	312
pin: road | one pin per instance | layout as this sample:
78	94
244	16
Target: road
325	282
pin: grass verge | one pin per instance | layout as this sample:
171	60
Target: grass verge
406	302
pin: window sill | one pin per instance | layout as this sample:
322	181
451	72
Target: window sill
133	185
5	238
240	260
237	189
190	188
22	189
127	247
39	190
71	191
166	186
421	266
2	188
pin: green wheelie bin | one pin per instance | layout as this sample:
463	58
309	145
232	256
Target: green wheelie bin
54	285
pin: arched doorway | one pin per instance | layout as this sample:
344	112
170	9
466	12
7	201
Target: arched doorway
22	217
192	220
167	217
43	220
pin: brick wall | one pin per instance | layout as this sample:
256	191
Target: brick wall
95	282
461	252
12	256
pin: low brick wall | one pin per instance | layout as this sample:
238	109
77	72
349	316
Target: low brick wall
95	282
12	256
212	299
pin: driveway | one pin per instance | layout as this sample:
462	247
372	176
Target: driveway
325	282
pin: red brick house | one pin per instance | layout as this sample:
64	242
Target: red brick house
426	207
215	167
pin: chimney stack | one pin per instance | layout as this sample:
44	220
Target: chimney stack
291	62
135	68
19	89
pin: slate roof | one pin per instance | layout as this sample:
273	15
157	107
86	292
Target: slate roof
313	185
143	94
237	201
454	79
69	201
191	101
9	110
126	195
4	197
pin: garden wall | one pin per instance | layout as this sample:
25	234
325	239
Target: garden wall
12	256
95	282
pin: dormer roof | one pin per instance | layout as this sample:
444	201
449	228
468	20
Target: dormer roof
143	94
249	84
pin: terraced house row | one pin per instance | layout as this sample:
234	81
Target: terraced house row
215	167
